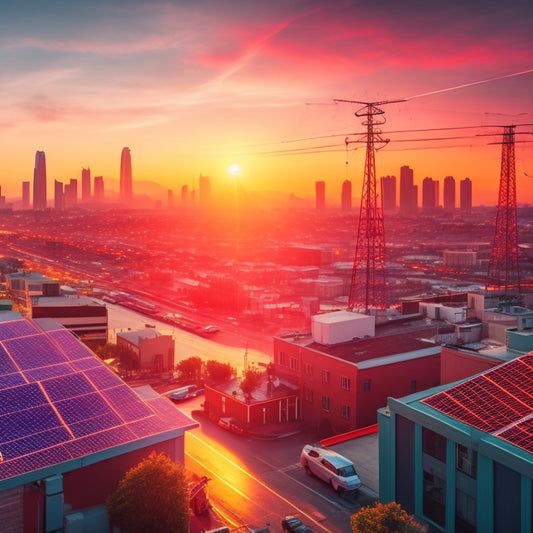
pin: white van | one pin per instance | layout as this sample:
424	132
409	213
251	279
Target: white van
331	467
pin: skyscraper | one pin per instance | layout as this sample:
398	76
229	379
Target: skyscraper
59	198
39	181
126	185
85	185
346	195
448	194
99	188
465	200
320	194
388	194
185	194
25	195
204	186
408	192
429	195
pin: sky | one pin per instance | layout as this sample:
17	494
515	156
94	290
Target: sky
194	86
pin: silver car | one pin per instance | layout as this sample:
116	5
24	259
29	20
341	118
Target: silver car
331	467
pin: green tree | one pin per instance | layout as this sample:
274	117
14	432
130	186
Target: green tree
153	497
190	369
250	382
217	372
385	518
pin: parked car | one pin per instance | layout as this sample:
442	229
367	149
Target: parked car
291	524
231	424
331	467
183	393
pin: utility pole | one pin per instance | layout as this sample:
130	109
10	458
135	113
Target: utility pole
369	284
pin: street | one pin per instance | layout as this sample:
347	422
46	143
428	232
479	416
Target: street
257	483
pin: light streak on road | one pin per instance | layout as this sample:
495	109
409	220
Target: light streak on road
257	480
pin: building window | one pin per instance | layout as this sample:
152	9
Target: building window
308	369
413	386
345	412
294	363
466	460
309	395
367	385
434	444
325	376
282	358
345	383
325	403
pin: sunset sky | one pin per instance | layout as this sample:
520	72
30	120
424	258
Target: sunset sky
192	87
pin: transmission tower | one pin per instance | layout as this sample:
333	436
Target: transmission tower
369	285
503	263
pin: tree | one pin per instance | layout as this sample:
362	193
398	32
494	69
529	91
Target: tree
153	497
385	518
250	382
190	369
217	372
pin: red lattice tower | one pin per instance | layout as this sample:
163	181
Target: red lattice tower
503	264
369	284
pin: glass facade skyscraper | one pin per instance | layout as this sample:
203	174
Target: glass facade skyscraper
126	187
39	181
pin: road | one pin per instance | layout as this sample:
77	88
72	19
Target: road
257	483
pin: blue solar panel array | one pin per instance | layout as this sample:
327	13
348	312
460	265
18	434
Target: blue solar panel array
58	401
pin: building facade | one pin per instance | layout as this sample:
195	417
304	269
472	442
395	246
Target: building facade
346	195
388	193
448	194
466	195
320	194
408	192
461	457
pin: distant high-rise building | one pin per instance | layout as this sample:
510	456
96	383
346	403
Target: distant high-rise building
204	186
59	199
320	194
448	194
185	194
70	193
25	195
346	195
170	199
466	195
85	185
99	188
388	194
429	195
126	182
408	192
39	181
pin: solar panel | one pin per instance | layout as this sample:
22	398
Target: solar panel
497	401
126	403
68	386
7	365
34	351
17	398
58	401
17	328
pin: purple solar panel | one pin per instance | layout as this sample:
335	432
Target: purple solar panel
17	328
34	351
58	401
63	387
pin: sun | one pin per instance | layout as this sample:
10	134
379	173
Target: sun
234	169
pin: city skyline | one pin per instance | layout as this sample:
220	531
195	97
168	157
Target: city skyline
193	89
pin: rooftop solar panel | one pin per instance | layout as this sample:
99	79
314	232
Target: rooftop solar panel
497	401
17	328
58	401
33	351
67	386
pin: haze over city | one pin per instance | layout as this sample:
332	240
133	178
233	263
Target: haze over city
193	88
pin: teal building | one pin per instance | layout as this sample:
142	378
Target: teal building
460	457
